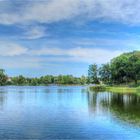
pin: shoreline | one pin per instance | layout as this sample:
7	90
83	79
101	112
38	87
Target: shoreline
114	89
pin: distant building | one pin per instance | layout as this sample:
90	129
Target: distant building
9	79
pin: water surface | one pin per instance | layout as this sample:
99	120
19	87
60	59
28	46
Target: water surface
70	112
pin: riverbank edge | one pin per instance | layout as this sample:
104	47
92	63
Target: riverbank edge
114	89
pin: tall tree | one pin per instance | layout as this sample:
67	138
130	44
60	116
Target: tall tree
93	74
119	69
133	70
122	69
105	73
3	78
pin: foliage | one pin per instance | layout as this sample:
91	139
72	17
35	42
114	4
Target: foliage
19	80
93	74
98	88
3	77
105	73
43	80
122	69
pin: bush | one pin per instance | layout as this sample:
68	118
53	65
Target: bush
98	88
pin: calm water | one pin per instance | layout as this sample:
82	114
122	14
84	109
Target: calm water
67	113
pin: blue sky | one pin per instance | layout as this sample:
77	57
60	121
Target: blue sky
39	37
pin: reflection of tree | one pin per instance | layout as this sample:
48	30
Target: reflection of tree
92	101
47	90
61	90
3	99
124	107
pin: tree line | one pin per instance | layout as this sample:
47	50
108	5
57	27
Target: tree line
44	80
122	69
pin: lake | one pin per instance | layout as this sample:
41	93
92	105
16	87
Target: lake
67	112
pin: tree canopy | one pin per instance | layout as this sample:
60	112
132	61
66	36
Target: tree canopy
122	69
43	80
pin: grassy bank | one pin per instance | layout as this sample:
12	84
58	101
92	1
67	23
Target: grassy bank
115	89
122	89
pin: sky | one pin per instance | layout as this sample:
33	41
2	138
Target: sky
40	37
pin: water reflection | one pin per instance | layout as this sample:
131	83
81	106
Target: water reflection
61	112
21	95
123	107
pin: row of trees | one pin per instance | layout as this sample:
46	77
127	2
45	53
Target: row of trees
122	69
44	80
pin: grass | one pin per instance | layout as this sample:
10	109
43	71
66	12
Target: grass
122	89
98	88
115	89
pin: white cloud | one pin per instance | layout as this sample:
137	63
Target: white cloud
55	54
20	62
124	11
88	55
84	50
34	32
19	56
53	10
13	55
129	44
11	49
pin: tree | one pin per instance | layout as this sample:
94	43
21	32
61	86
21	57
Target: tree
105	73
34	82
19	80
134	68
45	80
93	74
3	78
119	69
83	80
122	69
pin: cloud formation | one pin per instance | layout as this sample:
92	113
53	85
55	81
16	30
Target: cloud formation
34	32
57	54
49	11
83	50
78	54
11	49
66	32
20	62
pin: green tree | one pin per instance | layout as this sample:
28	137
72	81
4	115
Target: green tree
105	73
119	69
93	74
3	78
122	69
83	80
34	82
19	80
48	79
133	69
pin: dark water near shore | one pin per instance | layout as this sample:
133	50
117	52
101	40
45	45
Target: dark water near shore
69	112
